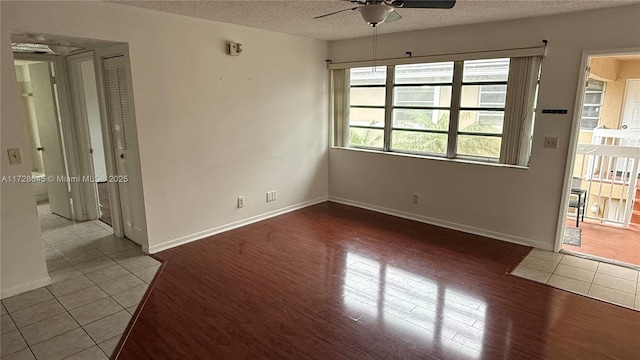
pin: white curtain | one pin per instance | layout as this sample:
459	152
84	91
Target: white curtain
340	80
518	115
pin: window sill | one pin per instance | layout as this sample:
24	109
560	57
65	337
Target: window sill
427	157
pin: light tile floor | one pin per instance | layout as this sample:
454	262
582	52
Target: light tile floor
97	282
611	283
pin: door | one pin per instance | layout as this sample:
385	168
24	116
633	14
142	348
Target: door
631	107
84	95
119	112
51	141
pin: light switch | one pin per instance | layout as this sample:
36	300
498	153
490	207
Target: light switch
15	156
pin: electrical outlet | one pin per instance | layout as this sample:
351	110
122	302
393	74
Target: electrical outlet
272	195
416	198
275	195
240	202
551	142
15	156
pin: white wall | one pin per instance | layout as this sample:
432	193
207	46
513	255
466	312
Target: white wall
211	127
22	261
512	204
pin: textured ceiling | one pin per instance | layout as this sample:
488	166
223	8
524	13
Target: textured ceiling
295	16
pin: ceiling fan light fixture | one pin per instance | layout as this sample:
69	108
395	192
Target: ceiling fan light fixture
374	14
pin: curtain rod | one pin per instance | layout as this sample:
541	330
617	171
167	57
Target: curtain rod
469	55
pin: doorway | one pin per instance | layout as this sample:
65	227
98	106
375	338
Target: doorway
86	107
603	218
83	140
40	95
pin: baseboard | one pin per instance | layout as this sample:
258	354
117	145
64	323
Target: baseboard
17	290
222	228
446	224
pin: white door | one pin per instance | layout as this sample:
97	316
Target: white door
119	112
82	84
631	107
51	143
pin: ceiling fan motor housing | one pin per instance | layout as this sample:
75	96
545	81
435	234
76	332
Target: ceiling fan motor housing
374	14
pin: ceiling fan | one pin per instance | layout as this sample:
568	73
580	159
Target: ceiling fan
375	12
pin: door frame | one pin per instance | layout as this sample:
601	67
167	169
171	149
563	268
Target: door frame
67	127
575	132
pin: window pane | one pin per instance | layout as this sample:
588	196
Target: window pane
484	146
481	121
592	104
421	119
591	111
367	96
486	70
366	137
369	76
588	123
424	73
596	85
419	141
366	117
494	96
593	98
422	96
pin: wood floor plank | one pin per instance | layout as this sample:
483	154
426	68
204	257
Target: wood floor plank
336	282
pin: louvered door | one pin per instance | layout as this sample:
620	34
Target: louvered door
119	112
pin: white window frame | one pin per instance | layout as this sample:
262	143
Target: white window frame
453	132
585	104
392	86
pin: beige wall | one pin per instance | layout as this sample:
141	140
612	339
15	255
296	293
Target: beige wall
615	73
512	204
629	69
211	127
604	68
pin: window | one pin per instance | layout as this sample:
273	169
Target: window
421	107
366	107
453	109
593	97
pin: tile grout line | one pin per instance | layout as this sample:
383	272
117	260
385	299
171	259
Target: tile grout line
29	346
89	245
74	319
591	283
19	332
593	279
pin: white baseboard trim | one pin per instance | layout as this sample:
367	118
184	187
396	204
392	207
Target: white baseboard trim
446	224
222	228
17	290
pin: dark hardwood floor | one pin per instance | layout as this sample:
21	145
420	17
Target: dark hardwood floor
337	282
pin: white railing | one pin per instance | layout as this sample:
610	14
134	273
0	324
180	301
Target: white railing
611	173
622	137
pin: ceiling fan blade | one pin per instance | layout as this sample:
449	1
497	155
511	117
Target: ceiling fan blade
335	12
424	4
392	16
